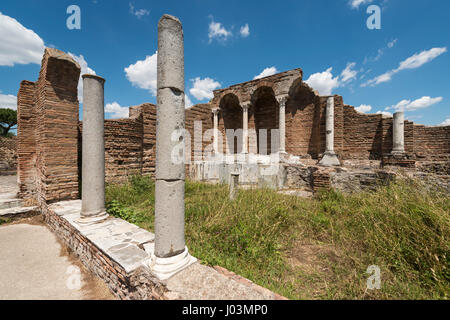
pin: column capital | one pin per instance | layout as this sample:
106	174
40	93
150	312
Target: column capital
246	105
282	99
215	111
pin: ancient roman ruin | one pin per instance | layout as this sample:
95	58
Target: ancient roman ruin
273	132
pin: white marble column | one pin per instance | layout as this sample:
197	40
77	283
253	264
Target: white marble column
282	122
93	151
170	252
245	106
398	133
216	130
329	158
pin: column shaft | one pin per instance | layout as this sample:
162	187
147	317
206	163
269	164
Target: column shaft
245	108
398	133
93	150
330	125
216	131
170	172
282	123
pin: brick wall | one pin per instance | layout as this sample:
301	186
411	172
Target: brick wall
8	155
26	145
432	143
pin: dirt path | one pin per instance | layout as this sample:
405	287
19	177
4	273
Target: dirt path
34	265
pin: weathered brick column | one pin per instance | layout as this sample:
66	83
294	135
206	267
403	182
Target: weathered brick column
329	158
93	152
171	254
398	136
56	110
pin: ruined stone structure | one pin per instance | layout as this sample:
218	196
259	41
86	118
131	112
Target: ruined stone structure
8	155
292	113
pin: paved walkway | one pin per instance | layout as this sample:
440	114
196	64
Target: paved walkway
34	265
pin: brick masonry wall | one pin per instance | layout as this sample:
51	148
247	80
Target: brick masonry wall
432	143
26	145
56	110
8	155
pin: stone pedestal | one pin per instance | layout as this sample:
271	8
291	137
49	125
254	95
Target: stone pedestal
93	151
329	158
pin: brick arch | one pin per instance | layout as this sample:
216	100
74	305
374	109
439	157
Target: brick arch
230	117
265	115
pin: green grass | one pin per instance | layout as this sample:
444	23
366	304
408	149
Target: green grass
312	248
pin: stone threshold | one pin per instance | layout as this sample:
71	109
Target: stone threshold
119	253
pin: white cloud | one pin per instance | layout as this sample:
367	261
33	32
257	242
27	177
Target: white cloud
266	72
413	62
419	59
18	44
138	12
84	70
218	31
187	102
203	88
363	108
422	103
245	31
143	74
8	101
356	3
116	111
348	73
323	82
385	113
445	123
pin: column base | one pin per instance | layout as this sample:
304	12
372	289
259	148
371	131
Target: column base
329	159
165	268
88	220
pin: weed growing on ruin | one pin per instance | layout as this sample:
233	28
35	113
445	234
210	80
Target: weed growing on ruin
313	248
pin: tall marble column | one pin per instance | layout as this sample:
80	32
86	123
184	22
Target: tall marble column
398	133
171	254
93	151
282	122
329	158
216	130
245	106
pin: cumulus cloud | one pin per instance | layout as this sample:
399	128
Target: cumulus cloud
422	103
218	31
19	45
84	70
445	123
143	74
203	88
138	12
8	101
413	62
245	31
116	110
323	82
354	4
266	72
348	73
364	108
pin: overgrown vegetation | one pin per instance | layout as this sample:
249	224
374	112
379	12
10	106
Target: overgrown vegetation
313	248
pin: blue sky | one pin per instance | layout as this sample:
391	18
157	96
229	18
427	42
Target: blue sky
402	66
